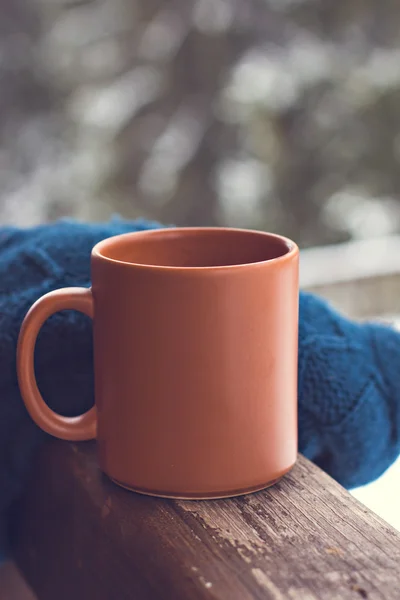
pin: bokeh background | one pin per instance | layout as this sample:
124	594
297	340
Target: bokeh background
275	114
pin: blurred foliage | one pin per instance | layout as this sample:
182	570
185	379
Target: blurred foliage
275	114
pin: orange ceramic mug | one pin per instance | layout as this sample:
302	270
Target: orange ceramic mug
195	359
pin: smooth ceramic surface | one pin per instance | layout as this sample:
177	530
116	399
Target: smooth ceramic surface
195	357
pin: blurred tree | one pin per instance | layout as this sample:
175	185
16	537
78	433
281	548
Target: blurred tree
279	114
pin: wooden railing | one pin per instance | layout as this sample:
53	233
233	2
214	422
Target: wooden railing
361	278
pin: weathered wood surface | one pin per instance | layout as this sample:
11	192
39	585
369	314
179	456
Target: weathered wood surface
79	536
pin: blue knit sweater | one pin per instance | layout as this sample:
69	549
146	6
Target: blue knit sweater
349	404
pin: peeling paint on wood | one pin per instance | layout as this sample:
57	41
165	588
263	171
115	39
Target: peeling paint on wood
303	539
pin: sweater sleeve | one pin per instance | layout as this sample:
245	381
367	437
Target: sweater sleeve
349	405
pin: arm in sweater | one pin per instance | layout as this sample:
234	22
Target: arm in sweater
349	401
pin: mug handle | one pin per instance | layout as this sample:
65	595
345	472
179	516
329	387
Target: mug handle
83	427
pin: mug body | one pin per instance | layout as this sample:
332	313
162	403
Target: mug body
195	349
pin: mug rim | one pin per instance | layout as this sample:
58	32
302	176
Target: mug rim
99	249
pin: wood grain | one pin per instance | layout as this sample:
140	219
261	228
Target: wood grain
79	536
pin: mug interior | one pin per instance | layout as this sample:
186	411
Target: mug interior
195	248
